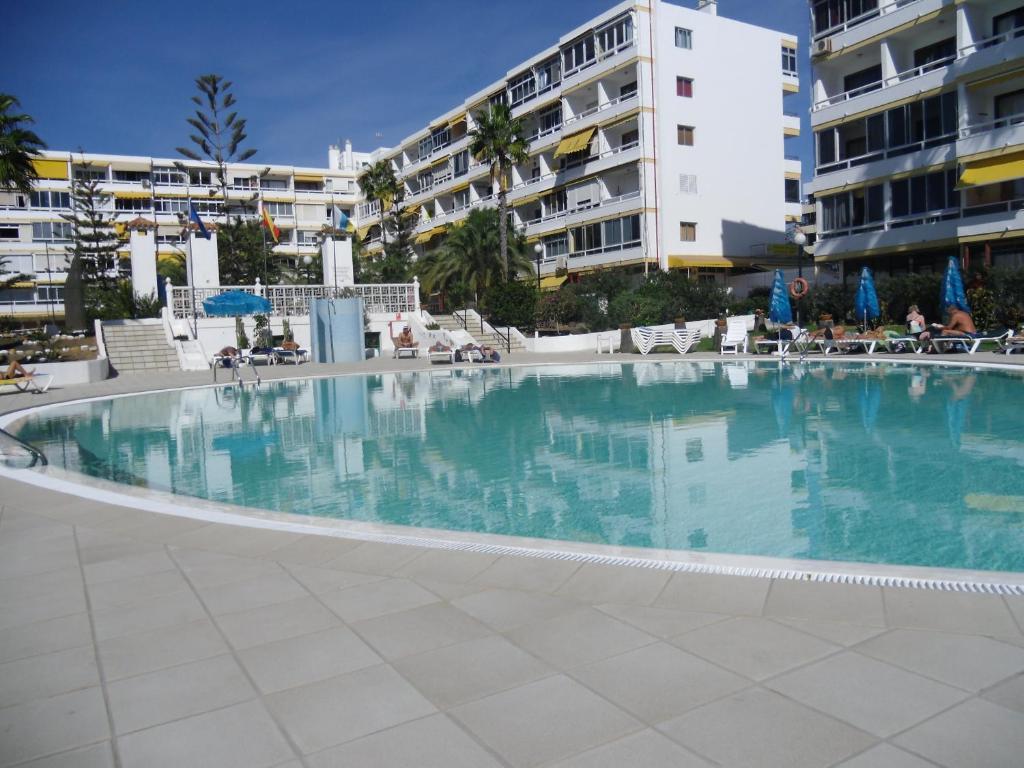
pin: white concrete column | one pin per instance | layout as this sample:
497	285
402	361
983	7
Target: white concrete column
890	67
336	257
143	257
205	270
964	30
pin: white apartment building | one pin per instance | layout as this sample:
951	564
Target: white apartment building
918	118
145	196
657	138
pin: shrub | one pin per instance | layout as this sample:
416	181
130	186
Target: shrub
512	303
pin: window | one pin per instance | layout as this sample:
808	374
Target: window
926	193
90	174
556	202
630	138
171	239
51	200
129	204
279	209
522	88
1008	22
792	190
684	135
688	231
50	293
306	237
684	87
19	264
425	146
616	35
171	205
551	119
501	97
460	162
556	245
460	200
585	239
687	184
208	206
789	61
11	233
244	182
549	74
280	184
864	80
200	178
440	138
578	55
168	176
857	209
827	14
935	55
51	230
131	176
695	450
628	90
309	186
684	38
426	179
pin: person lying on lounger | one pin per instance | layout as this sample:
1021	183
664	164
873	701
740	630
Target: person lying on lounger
439	347
228	356
405	339
489	354
17	371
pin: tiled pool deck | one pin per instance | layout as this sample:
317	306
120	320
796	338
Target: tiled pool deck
141	640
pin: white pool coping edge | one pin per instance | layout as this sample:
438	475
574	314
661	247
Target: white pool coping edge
679	561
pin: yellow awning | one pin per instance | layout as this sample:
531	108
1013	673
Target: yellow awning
23	284
177	195
458	188
577	142
51	169
425	237
362	232
456	120
276	199
525	200
124	255
684	262
441	161
412	209
309	177
992	170
131	195
552	282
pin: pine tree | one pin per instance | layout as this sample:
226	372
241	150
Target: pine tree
396	265
93	252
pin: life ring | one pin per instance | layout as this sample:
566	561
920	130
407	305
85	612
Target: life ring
798	288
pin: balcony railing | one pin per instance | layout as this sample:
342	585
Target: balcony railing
887	82
599	108
880	10
587	207
602	56
293	300
989	42
911	220
974	129
870	157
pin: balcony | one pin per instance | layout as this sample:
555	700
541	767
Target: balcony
602	64
883	163
791	124
874	95
857	29
554	222
998	134
628	153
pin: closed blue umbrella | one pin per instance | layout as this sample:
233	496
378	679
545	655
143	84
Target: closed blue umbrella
865	305
235	303
779	310
953	294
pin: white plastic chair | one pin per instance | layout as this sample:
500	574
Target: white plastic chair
735	336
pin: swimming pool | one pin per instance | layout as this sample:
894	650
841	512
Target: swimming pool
878	463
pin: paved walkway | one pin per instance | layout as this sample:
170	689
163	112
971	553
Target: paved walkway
139	640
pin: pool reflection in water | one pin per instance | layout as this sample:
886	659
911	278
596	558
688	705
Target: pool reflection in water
884	463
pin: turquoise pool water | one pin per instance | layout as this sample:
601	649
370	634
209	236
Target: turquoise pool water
884	463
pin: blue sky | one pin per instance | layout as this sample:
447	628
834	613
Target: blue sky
116	76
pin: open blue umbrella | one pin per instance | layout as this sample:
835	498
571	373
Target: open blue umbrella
779	310
235	303
953	289
865	305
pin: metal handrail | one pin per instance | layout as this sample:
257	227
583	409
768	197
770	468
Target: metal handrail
38	457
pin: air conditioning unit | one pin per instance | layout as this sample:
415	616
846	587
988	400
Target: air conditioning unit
822	47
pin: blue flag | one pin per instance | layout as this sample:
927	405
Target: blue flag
193	216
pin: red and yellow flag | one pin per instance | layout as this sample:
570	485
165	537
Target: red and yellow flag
270	226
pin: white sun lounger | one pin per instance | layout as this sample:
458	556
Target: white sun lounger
892	345
681	339
735	336
782	347
828	346
401	352
970	344
441	356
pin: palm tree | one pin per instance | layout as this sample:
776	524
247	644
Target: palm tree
378	182
498	139
470	254
18	146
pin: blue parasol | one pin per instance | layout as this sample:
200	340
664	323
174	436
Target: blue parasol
235	303
779	310
866	303
953	289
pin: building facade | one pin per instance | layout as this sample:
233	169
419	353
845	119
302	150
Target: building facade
656	138
145	197
918	119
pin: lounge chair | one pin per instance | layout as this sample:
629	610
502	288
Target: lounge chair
26	383
681	339
293	356
472	355
892	345
401	352
735	336
782	347
848	345
441	356
1012	343
970	344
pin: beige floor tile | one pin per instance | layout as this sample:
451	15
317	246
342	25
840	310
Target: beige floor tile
714	594
276	622
793	599
505	609
167	611
95	756
40	677
46	636
659	681
444	565
647	748
471	670
307	659
48	726
975	734
311	550
871	695
838	632
538	574
545	721
615	584
405	633
378	598
965	612
578	638
432	742
885	756
141	652
373	557
759	729
130	566
245	595
321	580
331	712
1009	693
170	694
136	589
661	622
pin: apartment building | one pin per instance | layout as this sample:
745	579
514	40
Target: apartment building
146	196
918	120
657	139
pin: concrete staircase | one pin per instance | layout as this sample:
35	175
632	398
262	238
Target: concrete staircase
135	346
450	323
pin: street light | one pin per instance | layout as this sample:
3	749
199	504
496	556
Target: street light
307	260
800	239
538	250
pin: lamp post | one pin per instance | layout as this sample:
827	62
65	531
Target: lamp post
800	239
538	251
306	261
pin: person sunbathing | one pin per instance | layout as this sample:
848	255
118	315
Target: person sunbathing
959	324
406	340
439	347
17	371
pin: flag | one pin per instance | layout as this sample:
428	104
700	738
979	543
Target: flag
193	216
345	223
270	226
